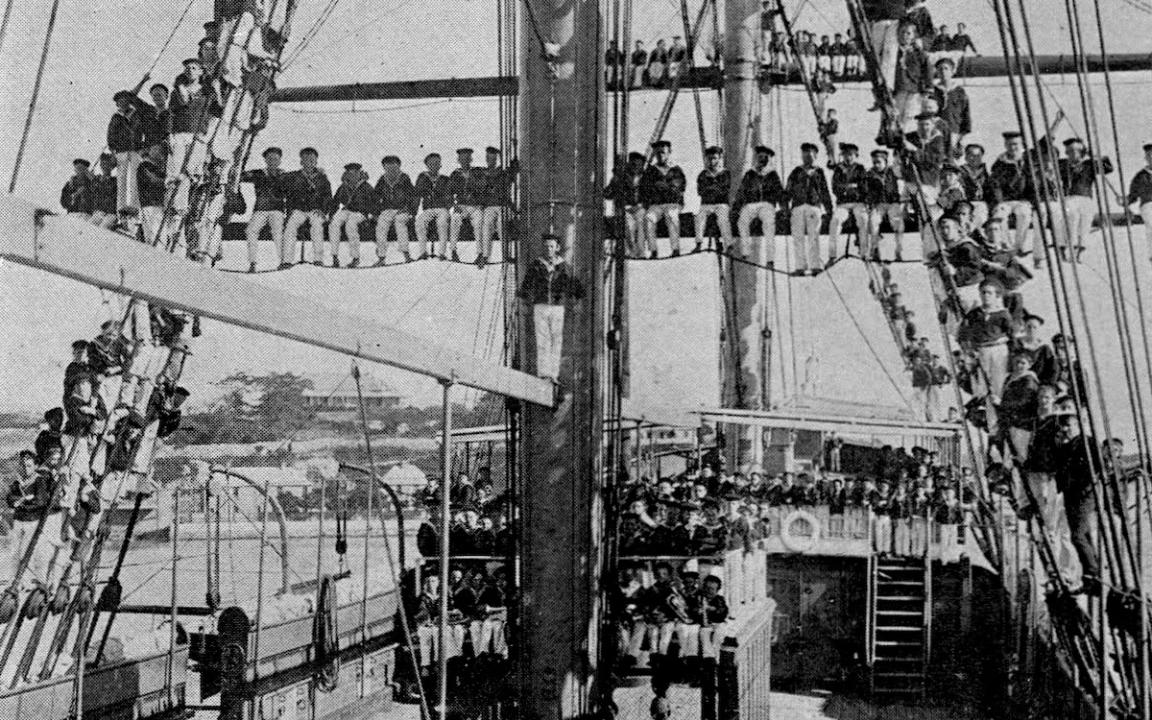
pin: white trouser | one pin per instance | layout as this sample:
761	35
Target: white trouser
178	144
1081	213
637	76
474	214
315	221
886	47
838	62
1019	438
806	235
493	222
126	190
638	234
426	216
350	221
710	639
689	636
882	534
1022	211
151	221
549	325
391	219
994	361
907	108
824	62
39	564
488	636
1146	216
274	219
766	212
1054	213
901	537
210	231
979	213
895	214
671	214
839	216
660	637
656	73
723	221
103	219
809	64
428	637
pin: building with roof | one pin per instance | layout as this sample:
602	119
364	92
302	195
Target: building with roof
336	393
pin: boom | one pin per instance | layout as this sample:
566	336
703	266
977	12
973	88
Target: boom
710	77
71	248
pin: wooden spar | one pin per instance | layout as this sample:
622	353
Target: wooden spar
81	251
561	188
746	287
701	77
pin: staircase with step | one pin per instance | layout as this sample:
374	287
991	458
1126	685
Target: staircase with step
900	627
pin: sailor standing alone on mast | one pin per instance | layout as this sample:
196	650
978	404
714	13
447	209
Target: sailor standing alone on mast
547	286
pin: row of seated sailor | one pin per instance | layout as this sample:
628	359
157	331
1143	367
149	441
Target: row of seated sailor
673	620
477	631
291	205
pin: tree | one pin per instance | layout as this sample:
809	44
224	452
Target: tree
254	408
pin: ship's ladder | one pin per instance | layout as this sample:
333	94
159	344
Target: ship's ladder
899	626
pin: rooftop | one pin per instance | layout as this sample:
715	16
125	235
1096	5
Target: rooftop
342	384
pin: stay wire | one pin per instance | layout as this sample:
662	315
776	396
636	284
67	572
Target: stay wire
1120	567
868	341
35	95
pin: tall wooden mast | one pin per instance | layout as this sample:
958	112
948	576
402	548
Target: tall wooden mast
562	168
746	287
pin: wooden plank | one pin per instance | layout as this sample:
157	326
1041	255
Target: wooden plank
75	249
991	66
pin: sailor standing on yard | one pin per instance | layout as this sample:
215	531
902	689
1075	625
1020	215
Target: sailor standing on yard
1140	192
268	208
547	286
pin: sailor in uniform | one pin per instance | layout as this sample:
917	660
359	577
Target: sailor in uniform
308	193
759	197
467	187
848	187
1140	192
714	184
662	194
396	197
435	197
354	202
268	209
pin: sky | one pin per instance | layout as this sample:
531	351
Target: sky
101	47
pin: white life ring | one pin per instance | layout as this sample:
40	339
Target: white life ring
799	543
